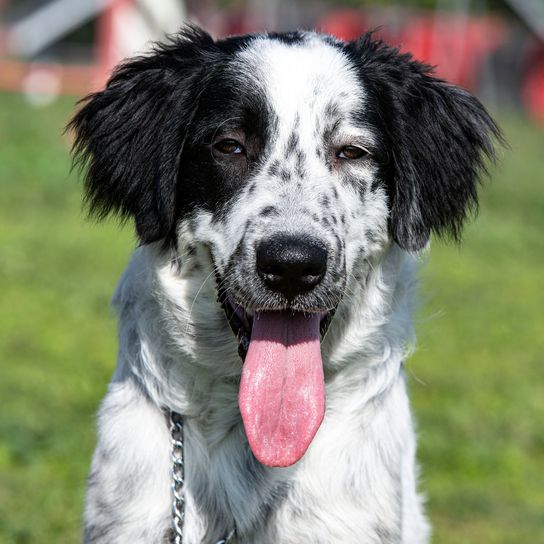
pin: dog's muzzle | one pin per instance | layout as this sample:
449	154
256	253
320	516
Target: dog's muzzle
282	393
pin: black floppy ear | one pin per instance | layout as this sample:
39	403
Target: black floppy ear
438	137
129	136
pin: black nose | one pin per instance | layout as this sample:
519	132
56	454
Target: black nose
290	264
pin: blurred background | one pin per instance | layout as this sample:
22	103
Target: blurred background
477	377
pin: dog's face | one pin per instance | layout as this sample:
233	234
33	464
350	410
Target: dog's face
282	171
278	150
294	159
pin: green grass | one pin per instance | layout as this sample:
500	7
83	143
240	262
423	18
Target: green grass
476	380
57	336
480	357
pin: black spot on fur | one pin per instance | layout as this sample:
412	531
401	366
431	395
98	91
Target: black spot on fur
375	185
387	534
292	145
300	164
285	175
246	226
339	245
330	129
274	168
269	211
301	156
332	111
370	235
251	189
324	201
289	38
98	533
214	182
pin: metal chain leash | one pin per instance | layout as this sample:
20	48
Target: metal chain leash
178	476
178	480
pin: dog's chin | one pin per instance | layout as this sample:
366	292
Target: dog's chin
240	317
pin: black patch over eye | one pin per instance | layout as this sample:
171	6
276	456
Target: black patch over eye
229	147
351	153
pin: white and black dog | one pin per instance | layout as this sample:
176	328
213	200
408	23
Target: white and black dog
281	185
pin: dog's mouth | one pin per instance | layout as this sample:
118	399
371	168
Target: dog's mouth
282	391
241	320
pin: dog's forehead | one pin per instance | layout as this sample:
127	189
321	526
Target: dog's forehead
299	79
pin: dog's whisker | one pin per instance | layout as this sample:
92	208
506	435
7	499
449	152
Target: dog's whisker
189	315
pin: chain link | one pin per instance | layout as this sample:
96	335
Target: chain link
178	481
178	476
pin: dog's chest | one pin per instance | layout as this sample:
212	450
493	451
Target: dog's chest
333	495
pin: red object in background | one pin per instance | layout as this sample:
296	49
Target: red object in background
107	52
532	86
455	45
345	24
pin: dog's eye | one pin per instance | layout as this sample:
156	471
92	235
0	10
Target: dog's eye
229	147
351	152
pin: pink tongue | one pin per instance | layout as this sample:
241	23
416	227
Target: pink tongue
282	393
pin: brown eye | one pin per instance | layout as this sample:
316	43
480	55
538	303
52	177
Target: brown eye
351	153
229	147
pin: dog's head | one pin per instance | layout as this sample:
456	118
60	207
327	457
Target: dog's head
293	158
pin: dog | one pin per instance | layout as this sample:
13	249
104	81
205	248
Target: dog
282	188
